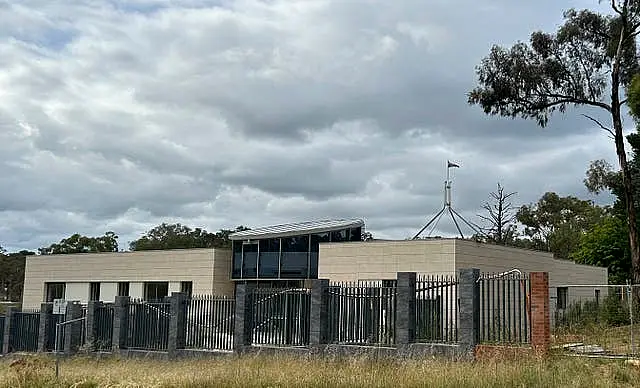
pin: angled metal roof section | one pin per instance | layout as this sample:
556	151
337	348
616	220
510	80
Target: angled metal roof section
294	229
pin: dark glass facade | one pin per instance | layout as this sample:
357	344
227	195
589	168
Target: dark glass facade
291	257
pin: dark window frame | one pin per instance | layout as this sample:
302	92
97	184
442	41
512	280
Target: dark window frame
49	288
562	296
94	291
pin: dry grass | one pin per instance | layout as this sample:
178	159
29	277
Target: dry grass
616	340
261	371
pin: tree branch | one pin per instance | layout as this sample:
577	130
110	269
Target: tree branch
600	124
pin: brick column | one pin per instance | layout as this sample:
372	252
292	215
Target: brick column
177	322
540	323
92	328
469	309
120	323
242	329
406	308
73	331
319	330
45	329
7	330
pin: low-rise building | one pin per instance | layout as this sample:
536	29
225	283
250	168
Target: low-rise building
280	255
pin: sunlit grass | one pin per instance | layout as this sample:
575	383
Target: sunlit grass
270	371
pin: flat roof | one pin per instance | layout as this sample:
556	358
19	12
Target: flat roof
294	229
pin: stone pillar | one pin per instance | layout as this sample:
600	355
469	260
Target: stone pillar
469	309
319	328
177	322
540	314
406	308
7	330
243	319
92	324
120	323
45	329
73	330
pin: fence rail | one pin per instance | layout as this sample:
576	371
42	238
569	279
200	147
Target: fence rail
505	311
361	313
437	309
281	317
148	326
210	323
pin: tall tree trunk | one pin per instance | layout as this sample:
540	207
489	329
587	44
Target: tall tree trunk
622	155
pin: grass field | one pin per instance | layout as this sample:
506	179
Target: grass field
261	371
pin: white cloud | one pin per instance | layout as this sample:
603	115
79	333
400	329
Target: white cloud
121	115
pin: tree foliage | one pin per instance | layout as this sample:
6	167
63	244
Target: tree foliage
557	223
500	217
178	236
587	62
77	243
606	244
12	274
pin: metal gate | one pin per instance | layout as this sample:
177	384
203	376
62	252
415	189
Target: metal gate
25	327
281	317
596	320
148	326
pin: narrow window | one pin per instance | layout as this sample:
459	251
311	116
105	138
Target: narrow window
187	288
94	291
561	294
54	291
123	289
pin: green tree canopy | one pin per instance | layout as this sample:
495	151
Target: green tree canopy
12	274
606	244
178	236
557	223
77	243
587	62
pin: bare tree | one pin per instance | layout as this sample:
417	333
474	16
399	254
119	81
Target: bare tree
500	217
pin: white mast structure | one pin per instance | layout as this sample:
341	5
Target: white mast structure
448	208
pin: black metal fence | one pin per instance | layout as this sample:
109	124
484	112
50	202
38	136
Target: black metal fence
2	318
25	327
281	317
210	323
505	311
54	319
361	313
437	309
148	326
104	327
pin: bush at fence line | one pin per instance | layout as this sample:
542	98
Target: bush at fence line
613	311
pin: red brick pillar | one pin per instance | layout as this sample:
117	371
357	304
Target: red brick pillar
540	323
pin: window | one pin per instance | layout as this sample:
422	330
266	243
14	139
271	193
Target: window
250	260
295	257
94	291
123	289
187	288
155	291
561	294
355	234
597	295
339	235
269	258
236	271
54	291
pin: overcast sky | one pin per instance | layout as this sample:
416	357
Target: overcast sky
121	115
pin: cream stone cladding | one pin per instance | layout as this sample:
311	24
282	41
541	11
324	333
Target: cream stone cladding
379	260
208	269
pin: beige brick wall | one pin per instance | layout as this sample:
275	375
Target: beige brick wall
174	266
376	260
496	258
